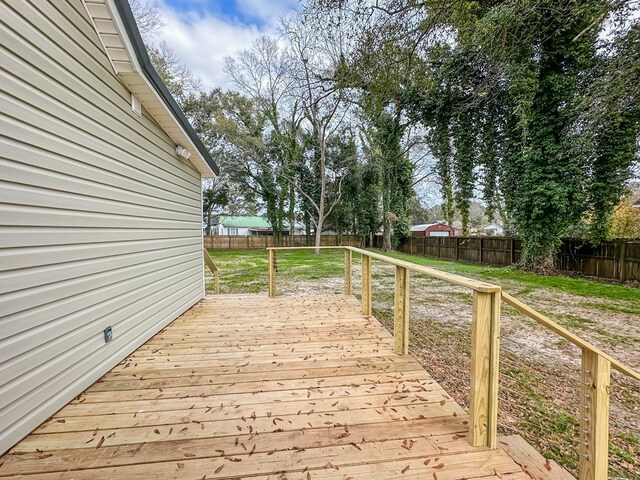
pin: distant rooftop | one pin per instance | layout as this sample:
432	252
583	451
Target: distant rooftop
243	221
424	226
247	221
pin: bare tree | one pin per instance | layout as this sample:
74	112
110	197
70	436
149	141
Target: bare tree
176	75
323	102
263	74
148	18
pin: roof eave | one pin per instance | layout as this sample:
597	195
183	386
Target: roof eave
152	90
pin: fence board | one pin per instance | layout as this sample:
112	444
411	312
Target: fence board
260	242
608	260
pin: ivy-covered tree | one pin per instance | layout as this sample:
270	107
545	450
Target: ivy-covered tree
530	103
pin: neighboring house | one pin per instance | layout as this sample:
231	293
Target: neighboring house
100	220
493	230
438	229
247	225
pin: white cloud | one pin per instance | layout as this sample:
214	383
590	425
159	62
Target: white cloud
267	10
202	41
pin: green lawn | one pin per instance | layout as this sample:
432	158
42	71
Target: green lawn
246	271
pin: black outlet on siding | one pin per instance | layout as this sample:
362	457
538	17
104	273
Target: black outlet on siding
108	334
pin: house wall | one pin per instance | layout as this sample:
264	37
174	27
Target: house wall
236	231
100	222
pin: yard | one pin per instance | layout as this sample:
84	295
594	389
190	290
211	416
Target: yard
539	371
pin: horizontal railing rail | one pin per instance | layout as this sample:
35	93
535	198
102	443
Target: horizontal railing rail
214	270
485	351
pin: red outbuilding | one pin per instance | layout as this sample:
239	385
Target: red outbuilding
438	229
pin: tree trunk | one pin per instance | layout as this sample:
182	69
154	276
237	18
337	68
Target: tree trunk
386	234
318	237
323	188
320	223
292	214
307	229
209	215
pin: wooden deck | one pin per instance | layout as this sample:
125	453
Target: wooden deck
248	386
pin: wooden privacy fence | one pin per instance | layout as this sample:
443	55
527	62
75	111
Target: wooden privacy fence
485	353
260	242
614	259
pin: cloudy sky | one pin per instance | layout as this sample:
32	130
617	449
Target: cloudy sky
203	32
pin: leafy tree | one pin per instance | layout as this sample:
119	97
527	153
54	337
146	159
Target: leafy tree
384	137
368	206
215	195
626	219
525	101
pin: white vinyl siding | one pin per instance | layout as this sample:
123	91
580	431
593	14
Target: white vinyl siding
100	222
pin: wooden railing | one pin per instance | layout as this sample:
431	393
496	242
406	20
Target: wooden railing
212	266
485	352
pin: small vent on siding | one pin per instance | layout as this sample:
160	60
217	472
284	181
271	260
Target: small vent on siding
136	106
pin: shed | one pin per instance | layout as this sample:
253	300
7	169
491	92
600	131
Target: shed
438	229
100	213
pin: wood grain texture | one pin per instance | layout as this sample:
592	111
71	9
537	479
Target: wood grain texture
483	403
256	387
214	270
401	312
594	416
366	285
347	272
531	461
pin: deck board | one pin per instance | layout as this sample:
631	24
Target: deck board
247	386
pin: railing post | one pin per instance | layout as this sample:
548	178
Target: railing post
272	273
212	267
366	284
401	312
594	416
216	282
347	271
485	353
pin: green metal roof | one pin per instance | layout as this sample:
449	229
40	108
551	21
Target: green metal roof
244	222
